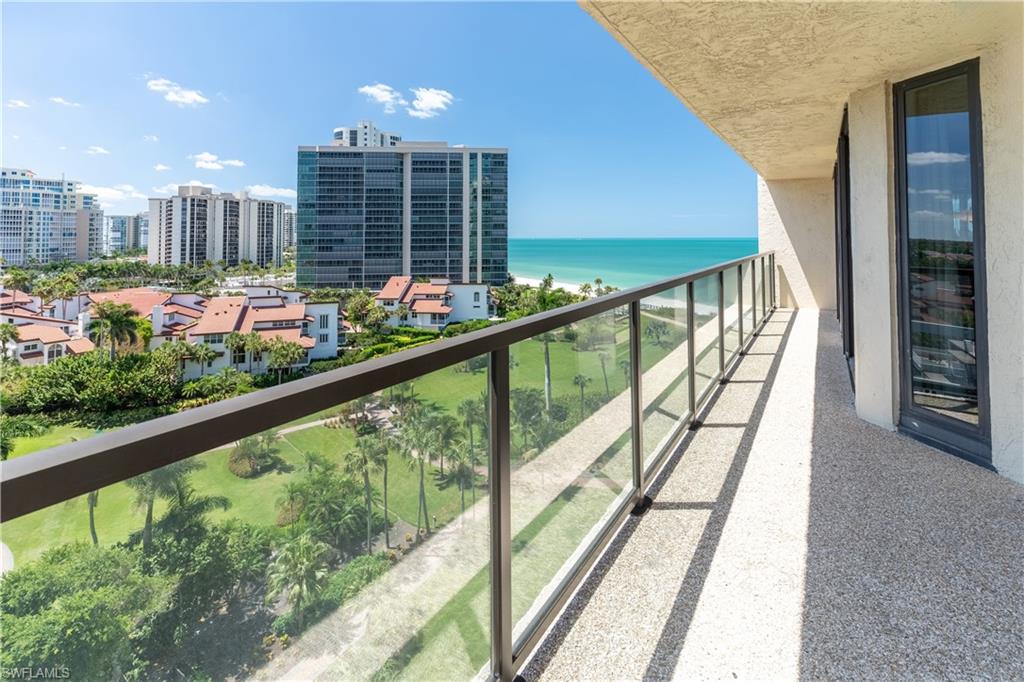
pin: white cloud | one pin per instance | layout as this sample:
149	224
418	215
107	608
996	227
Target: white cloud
110	196
172	187
64	102
384	94
160	168
17	104
269	191
95	150
210	161
429	102
150	138
928	158
63	148
175	93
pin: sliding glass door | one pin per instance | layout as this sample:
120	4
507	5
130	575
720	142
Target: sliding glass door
844	261
944	372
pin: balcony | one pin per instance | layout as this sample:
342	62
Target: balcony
684	453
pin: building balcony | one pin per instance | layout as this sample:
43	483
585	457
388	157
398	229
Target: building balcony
666	481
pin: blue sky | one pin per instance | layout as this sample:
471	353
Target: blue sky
223	93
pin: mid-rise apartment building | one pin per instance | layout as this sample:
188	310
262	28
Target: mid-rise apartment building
197	225
45	220
125	232
415	209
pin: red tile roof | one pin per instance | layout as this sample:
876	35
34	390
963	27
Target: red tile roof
293	312
10	296
40	332
293	334
222	315
183	310
141	299
423	289
82	345
394	288
21	314
429	305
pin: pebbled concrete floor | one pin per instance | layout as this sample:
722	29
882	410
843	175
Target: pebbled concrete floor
790	540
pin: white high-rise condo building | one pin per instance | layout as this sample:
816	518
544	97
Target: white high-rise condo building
46	220
365	134
414	209
289	227
197	225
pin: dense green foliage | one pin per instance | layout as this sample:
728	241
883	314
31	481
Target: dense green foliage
92	382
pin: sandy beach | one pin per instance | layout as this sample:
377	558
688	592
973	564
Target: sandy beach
530	281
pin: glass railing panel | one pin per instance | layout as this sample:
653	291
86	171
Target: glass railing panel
571	452
663	354
706	342
732	312
748	300
351	546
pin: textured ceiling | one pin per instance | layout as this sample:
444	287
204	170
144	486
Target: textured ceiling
771	78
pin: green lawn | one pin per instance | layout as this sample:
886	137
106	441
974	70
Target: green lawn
58	435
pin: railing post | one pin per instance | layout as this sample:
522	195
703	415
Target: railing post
739	303
691	355
721	325
640	502
774	293
501	516
764	291
753	297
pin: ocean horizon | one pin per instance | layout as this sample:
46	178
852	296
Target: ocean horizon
620	261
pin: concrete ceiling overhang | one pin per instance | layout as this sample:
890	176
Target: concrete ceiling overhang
771	78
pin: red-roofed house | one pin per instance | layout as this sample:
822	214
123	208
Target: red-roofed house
40	344
433	304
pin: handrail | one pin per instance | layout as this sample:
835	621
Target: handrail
38	480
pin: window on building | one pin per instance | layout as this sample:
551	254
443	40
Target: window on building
257	356
324	320
31	346
324	338
237	357
214	338
476	297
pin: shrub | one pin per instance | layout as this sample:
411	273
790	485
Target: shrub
463	327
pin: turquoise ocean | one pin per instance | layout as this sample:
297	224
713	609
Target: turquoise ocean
620	262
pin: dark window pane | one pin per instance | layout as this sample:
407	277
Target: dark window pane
940	249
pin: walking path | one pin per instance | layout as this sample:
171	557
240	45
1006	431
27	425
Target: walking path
356	640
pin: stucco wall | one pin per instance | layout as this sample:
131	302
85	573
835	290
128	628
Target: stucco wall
872	236
1002	118
796	218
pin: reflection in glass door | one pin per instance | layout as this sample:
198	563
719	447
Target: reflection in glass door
942	303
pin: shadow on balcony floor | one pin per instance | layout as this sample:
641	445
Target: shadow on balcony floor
789	540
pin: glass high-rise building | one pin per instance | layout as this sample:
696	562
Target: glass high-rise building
421	209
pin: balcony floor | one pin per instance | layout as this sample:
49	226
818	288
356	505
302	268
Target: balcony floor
789	539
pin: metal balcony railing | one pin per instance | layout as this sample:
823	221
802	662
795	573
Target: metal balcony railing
721	308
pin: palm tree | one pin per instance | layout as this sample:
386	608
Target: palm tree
604	357
382	454
114	324
445	431
412	437
586	289
18	278
164	482
359	463
93	500
253	344
284	354
624	365
203	353
299	570
293	493
546	339
581	380
526	405
8	334
235	342
462	472
180	351
471	411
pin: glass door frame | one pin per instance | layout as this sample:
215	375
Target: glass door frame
946	433
844	257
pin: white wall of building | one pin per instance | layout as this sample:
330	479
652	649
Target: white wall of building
468	302
793	217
